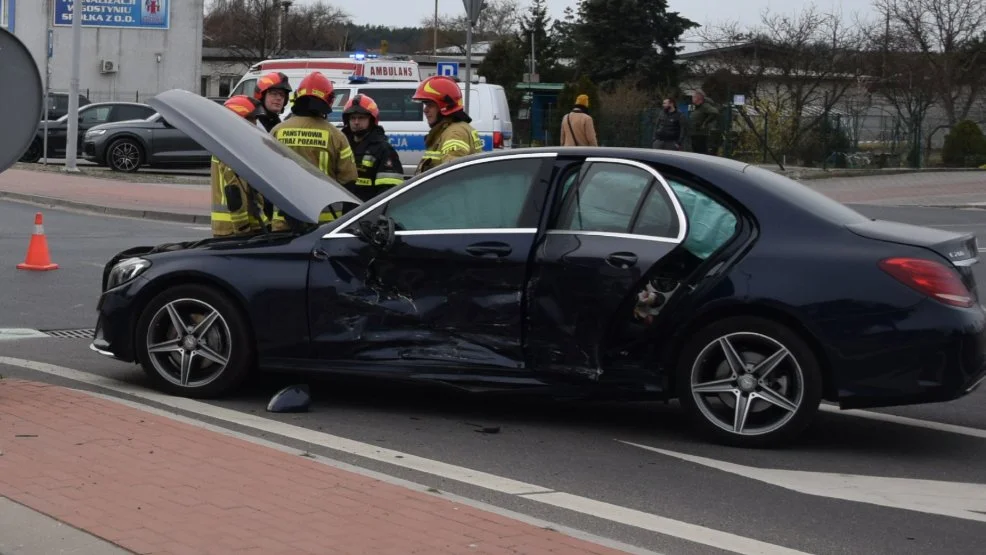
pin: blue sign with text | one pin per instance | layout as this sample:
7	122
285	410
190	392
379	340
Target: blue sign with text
125	14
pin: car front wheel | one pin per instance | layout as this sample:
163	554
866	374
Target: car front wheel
124	155
33	153
194	342
749	382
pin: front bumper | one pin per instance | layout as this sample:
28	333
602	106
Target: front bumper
114	336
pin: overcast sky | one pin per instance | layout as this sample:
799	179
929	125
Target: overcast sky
411	12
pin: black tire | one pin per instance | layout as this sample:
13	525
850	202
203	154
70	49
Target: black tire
238	349
749	333
129	158
33	152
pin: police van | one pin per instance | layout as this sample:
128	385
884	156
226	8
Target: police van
391	82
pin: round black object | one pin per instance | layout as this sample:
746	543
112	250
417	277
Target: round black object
21	99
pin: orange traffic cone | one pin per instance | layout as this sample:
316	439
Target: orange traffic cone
38	258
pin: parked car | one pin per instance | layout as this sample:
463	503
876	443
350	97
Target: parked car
58	104
628	273
90	115
127	146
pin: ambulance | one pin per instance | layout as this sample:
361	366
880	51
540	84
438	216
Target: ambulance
391	82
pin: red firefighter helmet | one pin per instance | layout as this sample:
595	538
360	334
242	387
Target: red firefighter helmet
361	104
244	106
443	91
273	80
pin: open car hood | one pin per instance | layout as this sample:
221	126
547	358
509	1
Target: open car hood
281	175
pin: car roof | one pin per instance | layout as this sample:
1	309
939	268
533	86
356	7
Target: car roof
765	192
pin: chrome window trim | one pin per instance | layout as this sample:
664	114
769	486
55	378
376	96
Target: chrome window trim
967	262
682	221
467	231
353	216
615	235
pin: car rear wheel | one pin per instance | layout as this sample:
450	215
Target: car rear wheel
194	342
33	153
124	155
749	382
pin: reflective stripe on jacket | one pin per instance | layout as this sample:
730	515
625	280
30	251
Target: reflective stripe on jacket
319	142
447	141
236	208
377	163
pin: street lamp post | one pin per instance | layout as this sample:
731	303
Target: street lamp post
72	141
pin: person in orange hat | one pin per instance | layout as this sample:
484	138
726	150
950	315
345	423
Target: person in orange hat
310	134
577	128
237	209
272	91
451	136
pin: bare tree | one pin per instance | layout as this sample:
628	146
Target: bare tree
251	28
797	68
948	36
902	77
498	19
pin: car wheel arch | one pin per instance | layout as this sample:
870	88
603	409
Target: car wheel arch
758	310
163	283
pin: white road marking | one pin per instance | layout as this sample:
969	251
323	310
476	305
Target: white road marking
427	490
954	499
12	334
928	424
666	526
198	228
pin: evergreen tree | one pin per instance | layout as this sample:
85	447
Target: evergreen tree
538	24
617	39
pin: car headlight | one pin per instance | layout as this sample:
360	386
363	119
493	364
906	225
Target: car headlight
126	270
95	132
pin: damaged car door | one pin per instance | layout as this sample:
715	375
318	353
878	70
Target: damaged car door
610	239
435	273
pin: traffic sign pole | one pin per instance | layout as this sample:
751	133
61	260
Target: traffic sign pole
473	9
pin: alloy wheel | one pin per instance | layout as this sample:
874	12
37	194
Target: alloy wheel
747	383
189	343
125	156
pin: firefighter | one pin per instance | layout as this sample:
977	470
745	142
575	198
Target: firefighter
272	91
237	209
377	163
451	136
309	133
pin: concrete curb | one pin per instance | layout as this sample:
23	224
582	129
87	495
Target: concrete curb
52	202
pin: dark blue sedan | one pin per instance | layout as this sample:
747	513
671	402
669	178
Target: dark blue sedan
609	272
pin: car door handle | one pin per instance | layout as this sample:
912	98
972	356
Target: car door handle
621	259
489	250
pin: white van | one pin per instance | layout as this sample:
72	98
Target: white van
401	117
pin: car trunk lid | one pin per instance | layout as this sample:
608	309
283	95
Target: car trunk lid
960	249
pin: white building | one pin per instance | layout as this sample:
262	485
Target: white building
131	49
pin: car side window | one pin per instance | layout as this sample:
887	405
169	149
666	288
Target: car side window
126	112
605	199
657	217
96	115
710	223
490	195
246	87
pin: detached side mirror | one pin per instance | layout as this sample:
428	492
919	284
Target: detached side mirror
380	234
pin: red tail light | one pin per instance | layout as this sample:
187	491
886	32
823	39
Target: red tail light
497	139
931	278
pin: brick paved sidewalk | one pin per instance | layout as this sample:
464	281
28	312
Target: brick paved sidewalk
191	201
155	485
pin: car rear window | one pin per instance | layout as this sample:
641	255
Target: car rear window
806	197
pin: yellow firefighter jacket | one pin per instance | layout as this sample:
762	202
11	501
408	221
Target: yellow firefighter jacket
447	141
237	209
319	142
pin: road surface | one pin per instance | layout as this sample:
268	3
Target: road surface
631	472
